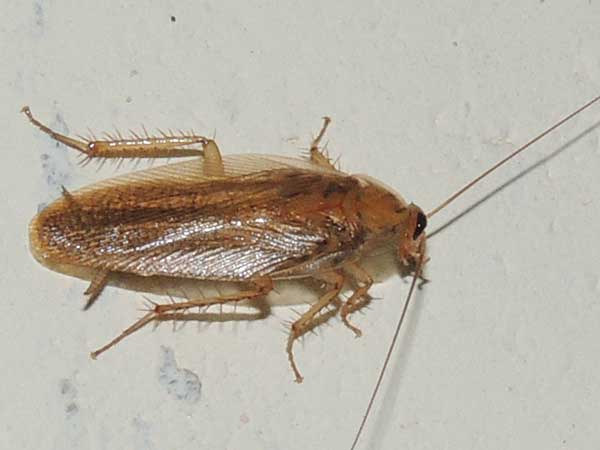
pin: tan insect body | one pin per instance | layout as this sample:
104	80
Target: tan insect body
249	219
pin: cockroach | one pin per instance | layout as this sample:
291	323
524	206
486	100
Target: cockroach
247	219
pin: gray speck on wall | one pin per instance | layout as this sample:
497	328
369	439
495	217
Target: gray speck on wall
69	395
182	384
142	434
38	11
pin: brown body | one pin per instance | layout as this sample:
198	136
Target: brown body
247	219
251	219
278	222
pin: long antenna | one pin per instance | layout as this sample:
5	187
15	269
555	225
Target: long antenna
509	157
388	356
421	260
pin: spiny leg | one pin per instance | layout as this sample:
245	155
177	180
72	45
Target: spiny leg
164	146
316	155
308	321
96	286
260	288
261	310
359	298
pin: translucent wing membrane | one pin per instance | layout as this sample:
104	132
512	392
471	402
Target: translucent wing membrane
192	171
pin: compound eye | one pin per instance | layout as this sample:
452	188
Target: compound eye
421	224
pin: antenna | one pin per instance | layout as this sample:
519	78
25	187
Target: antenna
508	158
388	356
420	262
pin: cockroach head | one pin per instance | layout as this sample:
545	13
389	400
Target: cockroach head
383	212
412	239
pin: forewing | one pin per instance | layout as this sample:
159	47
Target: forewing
237	227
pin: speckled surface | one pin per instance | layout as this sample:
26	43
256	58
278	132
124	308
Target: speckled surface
501	348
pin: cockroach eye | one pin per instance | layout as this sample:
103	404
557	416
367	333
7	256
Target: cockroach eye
421	224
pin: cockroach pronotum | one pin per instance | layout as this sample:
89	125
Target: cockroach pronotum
247	219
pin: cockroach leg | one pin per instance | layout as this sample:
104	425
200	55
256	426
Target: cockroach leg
68	196
213	162
164	146
96	286
316	155
359	297
260	288
309	319
70	142
149	317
